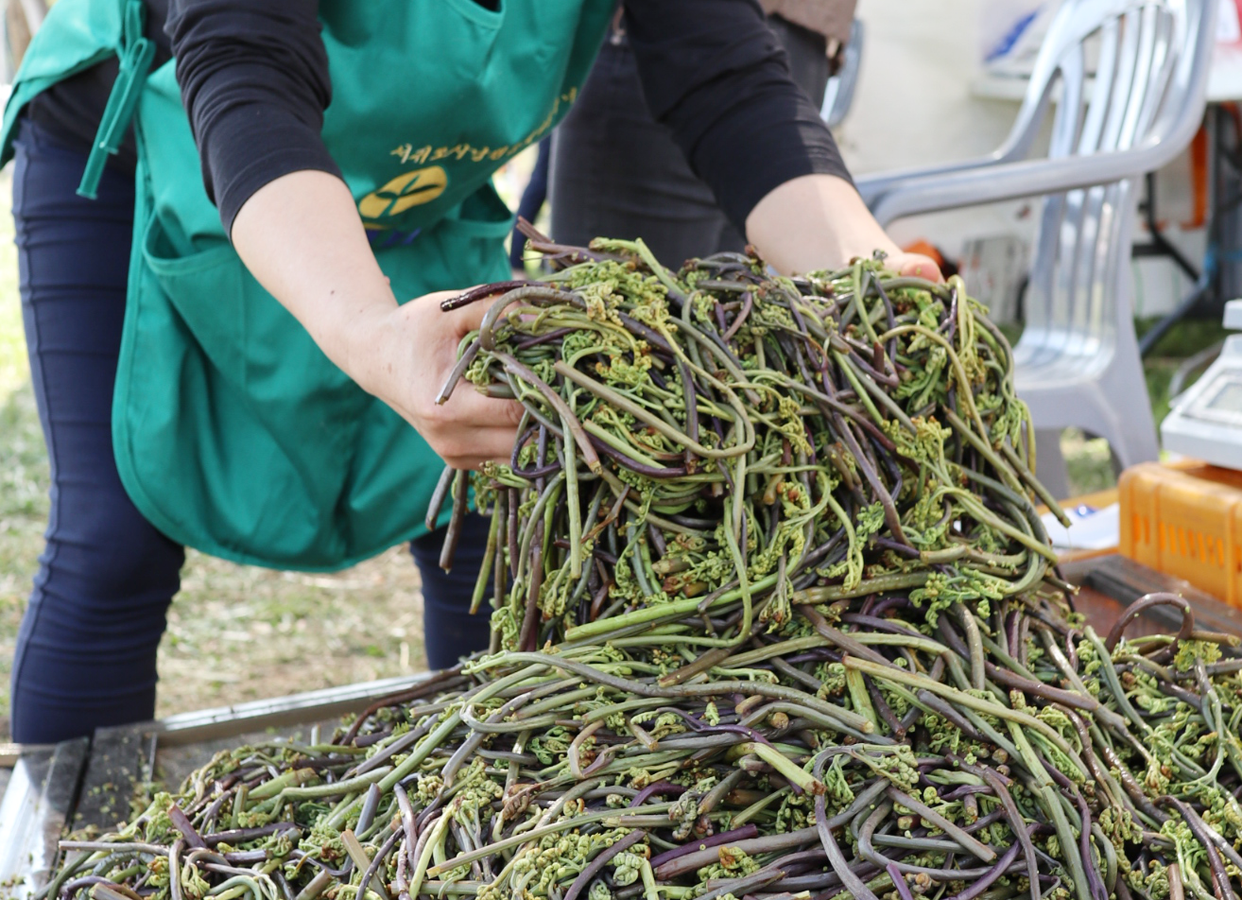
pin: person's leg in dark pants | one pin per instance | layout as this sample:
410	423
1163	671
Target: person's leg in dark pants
808	56
533	198
86	650
618	173
449	631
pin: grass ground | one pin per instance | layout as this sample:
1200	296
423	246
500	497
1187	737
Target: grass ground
236	632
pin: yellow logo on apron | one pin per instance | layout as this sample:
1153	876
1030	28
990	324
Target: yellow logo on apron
403	192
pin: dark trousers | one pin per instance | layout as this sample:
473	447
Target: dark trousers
449	631
618	173
86	649
533	198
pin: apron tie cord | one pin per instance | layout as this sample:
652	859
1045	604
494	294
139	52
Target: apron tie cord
136	56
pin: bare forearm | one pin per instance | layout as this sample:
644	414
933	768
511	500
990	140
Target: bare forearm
301	237
819	222
814	222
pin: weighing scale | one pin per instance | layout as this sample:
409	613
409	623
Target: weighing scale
1206	420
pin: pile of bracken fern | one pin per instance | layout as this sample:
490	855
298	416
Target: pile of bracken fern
774	617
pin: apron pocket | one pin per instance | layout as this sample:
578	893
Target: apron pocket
248	450
236	435
216	272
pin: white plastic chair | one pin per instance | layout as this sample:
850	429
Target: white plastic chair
839	93
1131	76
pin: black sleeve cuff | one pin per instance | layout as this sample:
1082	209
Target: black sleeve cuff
254	80
775	135
283	143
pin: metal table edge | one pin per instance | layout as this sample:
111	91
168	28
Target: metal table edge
43	790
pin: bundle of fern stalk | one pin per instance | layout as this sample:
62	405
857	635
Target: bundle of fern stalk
774	617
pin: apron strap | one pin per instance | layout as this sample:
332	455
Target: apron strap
136	53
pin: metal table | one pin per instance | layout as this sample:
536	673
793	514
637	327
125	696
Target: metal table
88	781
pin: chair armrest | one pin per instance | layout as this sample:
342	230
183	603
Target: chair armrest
874	187
1016	146
892	197
1011	181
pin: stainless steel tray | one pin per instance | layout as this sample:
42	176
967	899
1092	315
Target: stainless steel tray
88	781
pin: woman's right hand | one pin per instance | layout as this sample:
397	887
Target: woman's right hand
301	237
404	356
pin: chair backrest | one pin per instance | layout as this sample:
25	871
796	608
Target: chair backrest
839	92
1122	69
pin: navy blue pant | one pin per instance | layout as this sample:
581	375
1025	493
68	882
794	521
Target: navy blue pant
86	650
449	631
533	198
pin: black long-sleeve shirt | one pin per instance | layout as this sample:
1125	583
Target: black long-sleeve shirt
254	80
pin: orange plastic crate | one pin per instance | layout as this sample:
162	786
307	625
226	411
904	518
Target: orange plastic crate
1186	520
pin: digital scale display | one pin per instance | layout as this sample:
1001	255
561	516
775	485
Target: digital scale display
1227	397
1219	399
1206	421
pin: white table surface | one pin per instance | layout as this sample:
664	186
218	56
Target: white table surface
1225	76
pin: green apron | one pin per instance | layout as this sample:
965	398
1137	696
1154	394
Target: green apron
233	432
